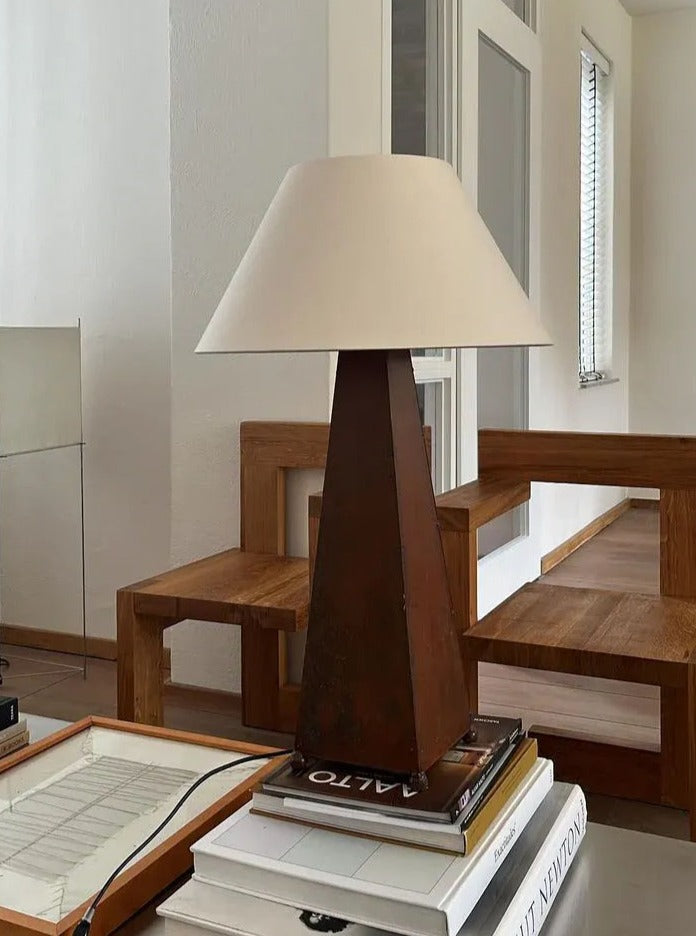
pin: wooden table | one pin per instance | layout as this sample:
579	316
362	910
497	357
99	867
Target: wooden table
614	635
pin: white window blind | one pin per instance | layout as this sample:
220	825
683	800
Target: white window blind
595	189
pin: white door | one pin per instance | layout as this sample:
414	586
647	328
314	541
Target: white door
497	112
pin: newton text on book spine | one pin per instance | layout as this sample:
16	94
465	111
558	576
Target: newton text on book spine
553	872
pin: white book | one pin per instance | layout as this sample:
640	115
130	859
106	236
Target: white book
446	836
516	902
17	729
198	909
395	887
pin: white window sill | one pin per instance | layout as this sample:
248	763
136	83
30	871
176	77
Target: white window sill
604	382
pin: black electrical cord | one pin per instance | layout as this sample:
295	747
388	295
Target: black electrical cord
85	924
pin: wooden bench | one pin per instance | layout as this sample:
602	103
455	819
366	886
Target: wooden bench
255	591
622	636
257	588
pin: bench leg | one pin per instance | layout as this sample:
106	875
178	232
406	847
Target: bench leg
674	749
461	561
263	674
140	651
691	696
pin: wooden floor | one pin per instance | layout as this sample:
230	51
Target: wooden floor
62	692
623	556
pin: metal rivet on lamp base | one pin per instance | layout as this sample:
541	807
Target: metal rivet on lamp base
383	683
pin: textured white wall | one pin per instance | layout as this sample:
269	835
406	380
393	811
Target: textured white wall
663	376
84	196
249	93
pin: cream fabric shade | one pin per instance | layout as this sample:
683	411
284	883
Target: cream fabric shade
372	252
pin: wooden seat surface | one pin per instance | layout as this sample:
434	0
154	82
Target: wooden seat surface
593	632
231	587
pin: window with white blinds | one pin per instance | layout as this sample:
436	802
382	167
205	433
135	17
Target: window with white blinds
595	227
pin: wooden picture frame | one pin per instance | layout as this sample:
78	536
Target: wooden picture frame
155	870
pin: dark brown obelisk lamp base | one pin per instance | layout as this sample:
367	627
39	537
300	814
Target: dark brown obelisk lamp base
383	683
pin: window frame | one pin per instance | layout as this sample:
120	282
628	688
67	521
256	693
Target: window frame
528	15
595	366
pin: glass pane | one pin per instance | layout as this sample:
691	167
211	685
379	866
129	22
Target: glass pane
434	402
415	132
522	8
409	77
503	197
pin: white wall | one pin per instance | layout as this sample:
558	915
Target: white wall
556	401
249	92
84	197
663	375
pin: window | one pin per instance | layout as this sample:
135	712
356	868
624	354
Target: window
415	130
525	9
435	371
595	217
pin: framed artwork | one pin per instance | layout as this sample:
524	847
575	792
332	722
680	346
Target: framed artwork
74	805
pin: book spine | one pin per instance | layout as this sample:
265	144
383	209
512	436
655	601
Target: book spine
530	907
13	730
496	851
14	744
503	791
9	713
460	805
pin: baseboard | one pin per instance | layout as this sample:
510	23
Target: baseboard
645	503
557	555
206	700
14	635
98	648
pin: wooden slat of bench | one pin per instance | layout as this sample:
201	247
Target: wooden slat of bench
600	768
639	638
589	458
291	445
233	587
284	445
468	507
473	505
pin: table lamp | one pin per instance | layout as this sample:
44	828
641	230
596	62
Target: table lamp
373	256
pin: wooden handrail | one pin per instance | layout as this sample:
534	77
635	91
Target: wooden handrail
667	462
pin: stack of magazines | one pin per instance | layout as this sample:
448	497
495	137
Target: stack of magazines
483	850
14	734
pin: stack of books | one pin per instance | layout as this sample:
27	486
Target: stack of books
13	728
483	851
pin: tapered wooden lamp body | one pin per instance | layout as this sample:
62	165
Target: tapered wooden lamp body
369	255
383	682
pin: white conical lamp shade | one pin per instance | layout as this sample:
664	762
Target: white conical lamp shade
372	252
